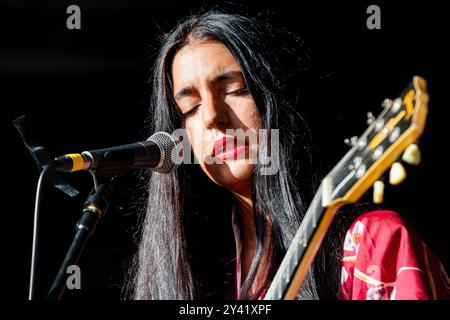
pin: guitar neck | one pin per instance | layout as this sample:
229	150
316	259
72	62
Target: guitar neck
303	249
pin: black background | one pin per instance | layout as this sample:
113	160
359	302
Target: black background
85	89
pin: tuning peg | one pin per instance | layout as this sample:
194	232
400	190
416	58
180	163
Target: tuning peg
352	141
378	192
387	103
370	118
412	154
397	173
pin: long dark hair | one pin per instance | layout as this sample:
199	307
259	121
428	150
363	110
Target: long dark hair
183	241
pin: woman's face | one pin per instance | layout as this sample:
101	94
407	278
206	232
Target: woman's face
209	89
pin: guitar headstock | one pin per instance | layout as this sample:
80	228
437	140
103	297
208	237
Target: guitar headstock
393	132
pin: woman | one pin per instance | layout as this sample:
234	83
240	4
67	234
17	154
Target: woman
224	238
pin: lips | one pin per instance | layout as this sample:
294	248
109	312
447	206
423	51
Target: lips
227	147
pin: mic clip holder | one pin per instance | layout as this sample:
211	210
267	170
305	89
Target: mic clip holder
94	208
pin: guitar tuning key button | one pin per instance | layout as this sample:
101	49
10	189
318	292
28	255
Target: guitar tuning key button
412	154
378	192
397	174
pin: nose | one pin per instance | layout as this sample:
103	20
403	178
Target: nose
215	114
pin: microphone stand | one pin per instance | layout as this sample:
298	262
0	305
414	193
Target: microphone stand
95	207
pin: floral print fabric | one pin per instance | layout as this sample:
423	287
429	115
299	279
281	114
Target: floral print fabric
385	259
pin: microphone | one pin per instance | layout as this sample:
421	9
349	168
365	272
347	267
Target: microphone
161	152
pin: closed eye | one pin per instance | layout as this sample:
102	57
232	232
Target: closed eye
238	91
191	112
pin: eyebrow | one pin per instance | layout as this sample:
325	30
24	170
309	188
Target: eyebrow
220	78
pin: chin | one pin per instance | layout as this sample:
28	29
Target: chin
230	174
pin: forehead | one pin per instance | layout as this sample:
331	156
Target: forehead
203	59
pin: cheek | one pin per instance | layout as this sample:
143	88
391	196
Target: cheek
249	115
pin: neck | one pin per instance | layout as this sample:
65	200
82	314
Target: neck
248	235
248	230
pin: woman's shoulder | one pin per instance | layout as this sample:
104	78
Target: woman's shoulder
381	232
382	221
381	216
385	230
384	257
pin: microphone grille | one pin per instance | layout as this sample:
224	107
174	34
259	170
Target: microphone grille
171	151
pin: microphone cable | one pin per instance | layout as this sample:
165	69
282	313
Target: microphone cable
37	207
